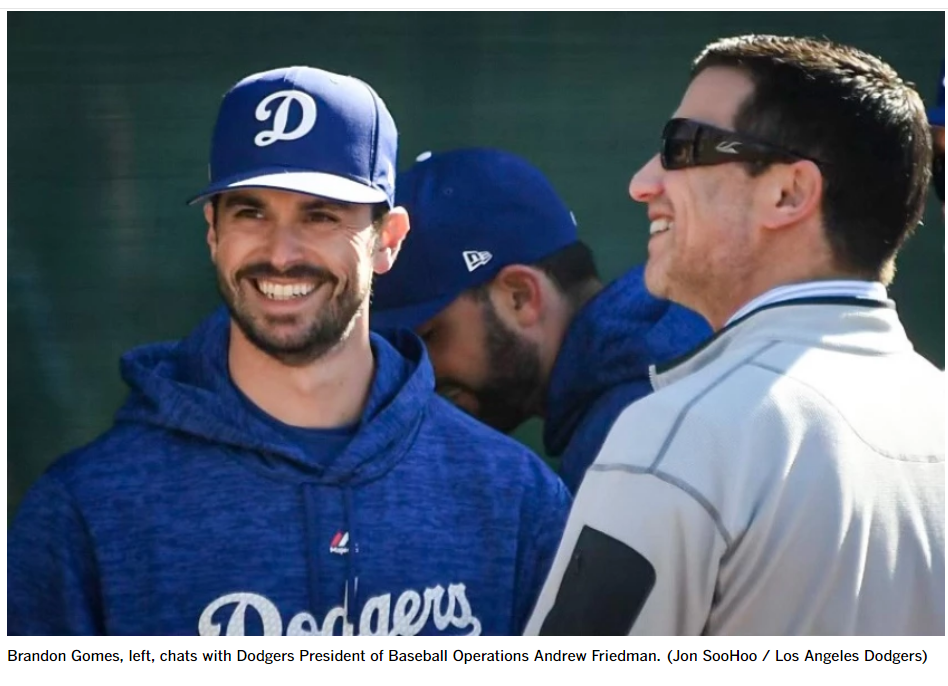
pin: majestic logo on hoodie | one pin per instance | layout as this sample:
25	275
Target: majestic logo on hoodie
339	543
409	615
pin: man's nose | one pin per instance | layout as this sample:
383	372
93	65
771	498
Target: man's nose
646	184
285	246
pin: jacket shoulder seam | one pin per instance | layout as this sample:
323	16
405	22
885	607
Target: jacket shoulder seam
845	419
682	485
694	400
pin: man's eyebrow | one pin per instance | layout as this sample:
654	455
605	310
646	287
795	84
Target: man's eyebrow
322	204
237	199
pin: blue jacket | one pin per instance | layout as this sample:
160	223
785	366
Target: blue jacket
602	366
192	515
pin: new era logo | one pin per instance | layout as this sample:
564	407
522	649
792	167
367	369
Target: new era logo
476	258
339	543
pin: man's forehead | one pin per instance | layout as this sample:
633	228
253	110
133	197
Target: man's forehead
273	196
714	95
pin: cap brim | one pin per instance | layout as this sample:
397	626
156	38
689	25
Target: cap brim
409	317
936	117
311	183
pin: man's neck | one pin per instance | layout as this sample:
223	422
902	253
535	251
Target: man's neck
787	259
329	392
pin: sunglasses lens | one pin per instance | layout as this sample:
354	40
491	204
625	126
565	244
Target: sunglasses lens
677	145
676	154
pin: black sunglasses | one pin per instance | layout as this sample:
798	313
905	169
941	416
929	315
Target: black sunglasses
689	143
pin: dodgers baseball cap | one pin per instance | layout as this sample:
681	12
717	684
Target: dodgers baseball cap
936	115
305	130
473	212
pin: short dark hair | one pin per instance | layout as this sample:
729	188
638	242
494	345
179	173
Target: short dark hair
571	269
379	212
853	113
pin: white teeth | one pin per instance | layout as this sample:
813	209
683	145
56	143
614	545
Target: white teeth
660	226
284	291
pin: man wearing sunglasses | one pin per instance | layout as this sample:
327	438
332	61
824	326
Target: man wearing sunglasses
787	477
509	303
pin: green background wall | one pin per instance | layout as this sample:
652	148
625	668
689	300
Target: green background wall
109	119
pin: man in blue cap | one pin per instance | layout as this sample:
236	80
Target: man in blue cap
281	470
509	303
936	117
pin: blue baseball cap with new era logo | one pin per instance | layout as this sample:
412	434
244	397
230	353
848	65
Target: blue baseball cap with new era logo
473	212
305	130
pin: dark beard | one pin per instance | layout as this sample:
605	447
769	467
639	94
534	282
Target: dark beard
329	327
513	388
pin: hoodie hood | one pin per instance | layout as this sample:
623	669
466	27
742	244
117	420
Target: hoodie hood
610	343
185	386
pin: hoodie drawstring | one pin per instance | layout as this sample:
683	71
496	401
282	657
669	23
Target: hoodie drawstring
312	545
352	570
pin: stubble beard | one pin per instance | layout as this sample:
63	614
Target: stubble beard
309	340
514	387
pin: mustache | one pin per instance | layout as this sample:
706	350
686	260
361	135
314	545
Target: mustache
262	270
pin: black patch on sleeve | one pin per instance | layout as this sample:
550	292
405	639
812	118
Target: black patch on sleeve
603	590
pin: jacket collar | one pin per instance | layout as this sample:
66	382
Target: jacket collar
855	324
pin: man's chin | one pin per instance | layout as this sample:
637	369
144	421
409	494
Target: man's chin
655	282
289	341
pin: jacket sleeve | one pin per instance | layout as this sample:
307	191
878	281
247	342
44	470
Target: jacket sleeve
51	572
538	545
640	553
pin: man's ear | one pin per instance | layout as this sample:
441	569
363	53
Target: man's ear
394	229
792	193
211	230
518	294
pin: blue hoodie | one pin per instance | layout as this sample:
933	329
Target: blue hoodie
193	515
602	366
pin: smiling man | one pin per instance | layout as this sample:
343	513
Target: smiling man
510	305
282	470
788	477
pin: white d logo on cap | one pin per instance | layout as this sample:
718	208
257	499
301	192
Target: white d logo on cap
280	117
